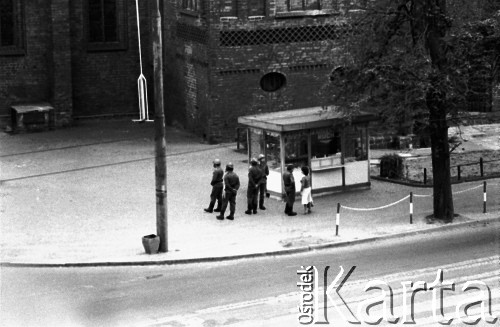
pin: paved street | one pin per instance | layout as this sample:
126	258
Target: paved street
250	292
86	195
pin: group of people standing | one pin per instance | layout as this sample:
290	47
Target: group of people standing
225	187
305	190
224	190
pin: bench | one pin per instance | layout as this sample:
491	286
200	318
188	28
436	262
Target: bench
32	117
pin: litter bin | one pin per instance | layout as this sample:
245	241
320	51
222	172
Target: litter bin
151	243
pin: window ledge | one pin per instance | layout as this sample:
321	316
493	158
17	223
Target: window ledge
188	12
227	19
306	13
256	18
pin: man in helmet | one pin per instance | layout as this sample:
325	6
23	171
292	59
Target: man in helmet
263	181
217	186
289	183
254	176
231	186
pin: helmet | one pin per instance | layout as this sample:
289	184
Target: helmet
261	156
254	160
230	165
216	161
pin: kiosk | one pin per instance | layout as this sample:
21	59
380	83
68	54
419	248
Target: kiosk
333	144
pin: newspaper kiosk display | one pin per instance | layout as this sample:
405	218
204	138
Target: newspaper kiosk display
334	145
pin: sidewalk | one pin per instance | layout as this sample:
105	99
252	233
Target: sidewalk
86	195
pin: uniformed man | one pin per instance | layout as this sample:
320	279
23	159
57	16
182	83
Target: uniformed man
217	187
231	186
289	183
254	176
264	169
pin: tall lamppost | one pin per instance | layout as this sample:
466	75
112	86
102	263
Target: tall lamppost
160	140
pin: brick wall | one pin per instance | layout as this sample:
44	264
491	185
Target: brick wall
27	77
217	81
61	95
59	67
208	80
105	82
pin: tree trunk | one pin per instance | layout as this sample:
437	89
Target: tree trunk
437	27
443	198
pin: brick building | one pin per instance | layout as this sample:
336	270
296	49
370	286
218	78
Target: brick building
238	57
80	56
222	58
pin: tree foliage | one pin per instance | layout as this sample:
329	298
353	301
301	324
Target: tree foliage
387	66
418	61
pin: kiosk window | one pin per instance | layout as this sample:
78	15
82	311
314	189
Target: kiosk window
355	143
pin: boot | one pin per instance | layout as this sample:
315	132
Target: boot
210	208
261	205
249	210
309	207
220	217
255	209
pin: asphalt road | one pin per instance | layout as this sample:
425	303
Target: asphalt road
221	292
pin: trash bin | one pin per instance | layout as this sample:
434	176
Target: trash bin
151	243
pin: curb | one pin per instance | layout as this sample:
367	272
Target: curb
290	251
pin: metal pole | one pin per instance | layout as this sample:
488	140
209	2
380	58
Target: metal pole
160	140
484	197
337	220
411	207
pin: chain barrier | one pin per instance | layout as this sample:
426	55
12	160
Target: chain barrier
337	220
377	208
469	189
458	192
423	195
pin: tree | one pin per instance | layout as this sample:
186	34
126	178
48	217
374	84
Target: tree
406	59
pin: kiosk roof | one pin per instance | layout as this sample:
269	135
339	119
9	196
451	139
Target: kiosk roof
300	119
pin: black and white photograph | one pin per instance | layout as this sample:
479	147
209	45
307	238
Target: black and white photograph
249	163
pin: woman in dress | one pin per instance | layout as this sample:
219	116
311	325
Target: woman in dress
306	190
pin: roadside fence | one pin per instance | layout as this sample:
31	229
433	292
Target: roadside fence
410	197
459	170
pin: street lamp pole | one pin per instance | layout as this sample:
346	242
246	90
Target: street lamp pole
160	140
